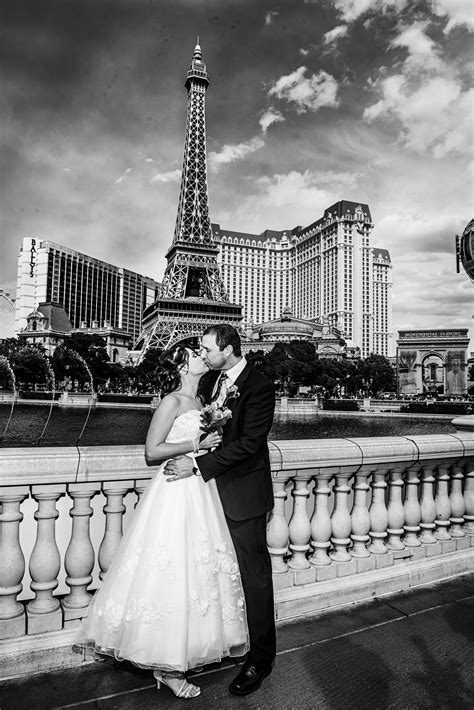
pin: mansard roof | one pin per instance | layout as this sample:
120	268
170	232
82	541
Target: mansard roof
56	315
381	254
344	207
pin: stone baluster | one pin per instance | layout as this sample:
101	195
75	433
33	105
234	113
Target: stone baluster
44	613
412	509
321	521
12	567
443	504
341	520
469	498
378	514
395	510
277	529
139	487
456	499
114	510
79	559
360	519
427	505
299	527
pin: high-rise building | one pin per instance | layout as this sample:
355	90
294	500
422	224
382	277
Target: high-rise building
192	294
91	291
328	270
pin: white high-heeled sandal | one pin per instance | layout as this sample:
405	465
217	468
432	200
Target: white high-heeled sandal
183	689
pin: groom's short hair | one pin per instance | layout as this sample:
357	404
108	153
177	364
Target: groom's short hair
225	335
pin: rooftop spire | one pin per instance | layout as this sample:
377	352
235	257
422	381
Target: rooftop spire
197	50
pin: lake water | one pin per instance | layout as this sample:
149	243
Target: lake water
113	426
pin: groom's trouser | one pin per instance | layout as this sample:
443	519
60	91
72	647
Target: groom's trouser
250	542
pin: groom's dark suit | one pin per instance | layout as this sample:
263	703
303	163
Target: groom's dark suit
241	468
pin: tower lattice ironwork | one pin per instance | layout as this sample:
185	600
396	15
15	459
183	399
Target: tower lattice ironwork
192	292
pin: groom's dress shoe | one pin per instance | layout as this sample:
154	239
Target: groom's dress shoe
249	679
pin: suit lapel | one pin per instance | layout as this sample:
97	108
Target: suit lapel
241	380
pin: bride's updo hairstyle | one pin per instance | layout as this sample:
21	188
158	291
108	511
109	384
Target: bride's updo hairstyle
169	365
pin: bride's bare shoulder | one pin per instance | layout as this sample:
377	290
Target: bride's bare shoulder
169	405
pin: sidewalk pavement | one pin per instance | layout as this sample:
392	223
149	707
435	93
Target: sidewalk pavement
408	651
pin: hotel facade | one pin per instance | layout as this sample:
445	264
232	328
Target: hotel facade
328	271
92	292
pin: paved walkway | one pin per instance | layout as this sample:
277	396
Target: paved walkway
409	651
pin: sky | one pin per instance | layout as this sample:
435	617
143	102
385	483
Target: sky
310	102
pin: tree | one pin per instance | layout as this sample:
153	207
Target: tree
257	358
28	362
92	349
378	374
69	366
144	373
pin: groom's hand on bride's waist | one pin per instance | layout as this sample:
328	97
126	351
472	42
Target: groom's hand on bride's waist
180	467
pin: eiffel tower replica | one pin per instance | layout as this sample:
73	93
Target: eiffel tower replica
192	294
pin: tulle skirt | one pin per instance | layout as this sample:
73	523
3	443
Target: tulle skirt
172	598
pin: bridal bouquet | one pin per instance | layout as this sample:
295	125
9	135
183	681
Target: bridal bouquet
214	417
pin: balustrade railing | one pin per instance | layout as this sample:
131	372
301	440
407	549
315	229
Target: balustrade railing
342	507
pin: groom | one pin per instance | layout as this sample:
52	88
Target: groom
241	468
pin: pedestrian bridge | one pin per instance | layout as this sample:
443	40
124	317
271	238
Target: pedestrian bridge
353	519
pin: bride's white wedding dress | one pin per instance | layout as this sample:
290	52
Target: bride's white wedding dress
172	598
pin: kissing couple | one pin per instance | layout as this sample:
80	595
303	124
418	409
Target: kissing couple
191	582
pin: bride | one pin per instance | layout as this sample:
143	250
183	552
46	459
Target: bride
172	598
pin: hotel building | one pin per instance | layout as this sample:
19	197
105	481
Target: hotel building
92	292
327	271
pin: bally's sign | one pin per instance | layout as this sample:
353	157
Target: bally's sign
32	257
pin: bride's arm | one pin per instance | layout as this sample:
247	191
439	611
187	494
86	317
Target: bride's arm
157	449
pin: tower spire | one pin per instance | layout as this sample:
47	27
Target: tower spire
192	291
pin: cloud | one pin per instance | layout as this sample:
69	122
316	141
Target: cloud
459	12
311	93
436	117
269	17
351	10
422	52
290	198
171	176
269	117
303	52
231	153
123	176
426	97
335	34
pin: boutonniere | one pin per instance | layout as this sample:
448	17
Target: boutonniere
231	393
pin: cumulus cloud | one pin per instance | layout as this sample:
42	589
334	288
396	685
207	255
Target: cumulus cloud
308	93
426	97
335	34
422	51
436	117
269	117
294	197
269	17
171	176
351	10
231	153
459	12
303	52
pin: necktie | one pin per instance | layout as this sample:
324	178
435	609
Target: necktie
221	388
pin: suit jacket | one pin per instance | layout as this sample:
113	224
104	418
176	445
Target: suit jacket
241	465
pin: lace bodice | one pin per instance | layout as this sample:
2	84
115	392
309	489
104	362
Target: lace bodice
185	426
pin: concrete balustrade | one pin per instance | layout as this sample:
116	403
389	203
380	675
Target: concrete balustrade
352	519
